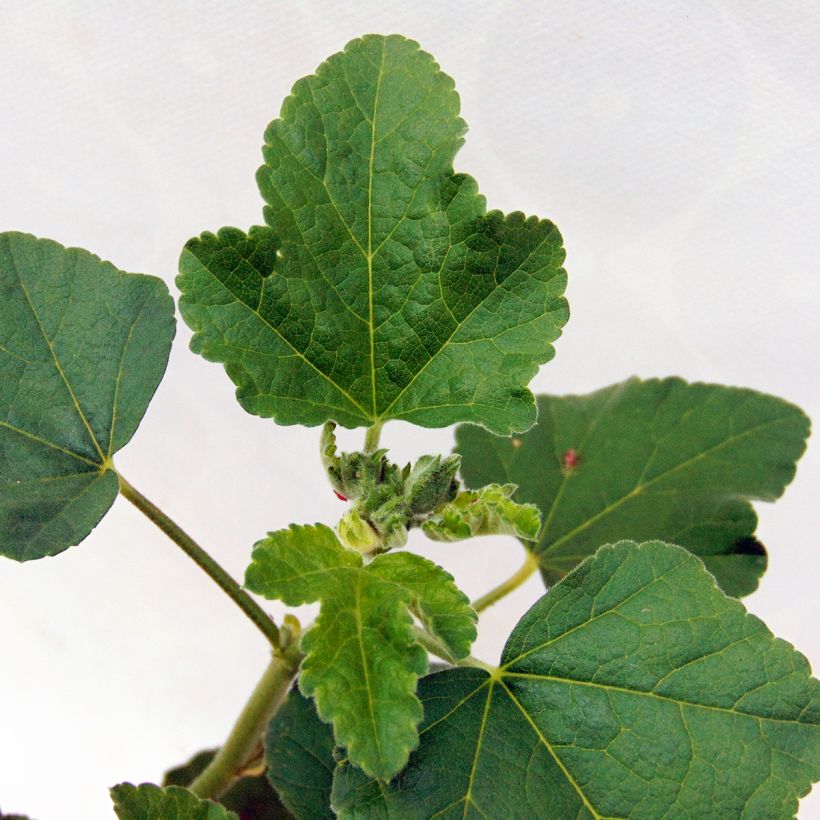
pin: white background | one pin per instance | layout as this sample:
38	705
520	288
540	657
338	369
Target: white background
676	146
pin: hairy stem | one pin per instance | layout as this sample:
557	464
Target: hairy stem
231	587
506	587
372	436
262	705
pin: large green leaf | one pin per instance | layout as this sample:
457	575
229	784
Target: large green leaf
299	753
362	660
648	459
149	802
83	347
382	289
634	689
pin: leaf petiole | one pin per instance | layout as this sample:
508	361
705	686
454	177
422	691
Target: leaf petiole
372	436
231	587
529	566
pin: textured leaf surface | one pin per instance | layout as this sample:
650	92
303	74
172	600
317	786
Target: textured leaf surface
299	753
83	347
149	802
487	511
362	661
648	459
382	289
634	688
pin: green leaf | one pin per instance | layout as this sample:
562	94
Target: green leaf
299	753
149	802
381	288
83	347
362	661
648	459
634	688
488	511
251	796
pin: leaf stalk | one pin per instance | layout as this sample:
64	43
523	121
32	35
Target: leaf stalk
372	436
263	622
529	566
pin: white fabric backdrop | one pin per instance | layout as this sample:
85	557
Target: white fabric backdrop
675	145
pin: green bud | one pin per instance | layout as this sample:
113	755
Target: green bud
431	483
356	533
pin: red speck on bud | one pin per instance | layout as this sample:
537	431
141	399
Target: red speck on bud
339	496
571	459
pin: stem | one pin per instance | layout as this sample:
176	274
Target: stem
233	589
506	587
372	436
244	737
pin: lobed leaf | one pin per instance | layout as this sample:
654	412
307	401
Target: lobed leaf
380	288
83	347
634	688
149	802
362	660
648	459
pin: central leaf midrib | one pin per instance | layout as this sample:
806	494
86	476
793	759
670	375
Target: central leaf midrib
371	328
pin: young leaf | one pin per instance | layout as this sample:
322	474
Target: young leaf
634	688
382	289
648	459
488	511
362	661
83	347
149	802
299	753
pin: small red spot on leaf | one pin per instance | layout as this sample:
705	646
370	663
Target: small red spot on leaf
339	496
571	460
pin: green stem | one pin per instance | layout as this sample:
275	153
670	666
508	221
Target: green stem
233	589
372	436
506	587
237	750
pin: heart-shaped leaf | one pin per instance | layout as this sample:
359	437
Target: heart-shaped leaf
83	347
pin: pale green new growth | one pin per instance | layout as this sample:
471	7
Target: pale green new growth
382	289
149	802
83	347
648	459
634	688
362	660
488	511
